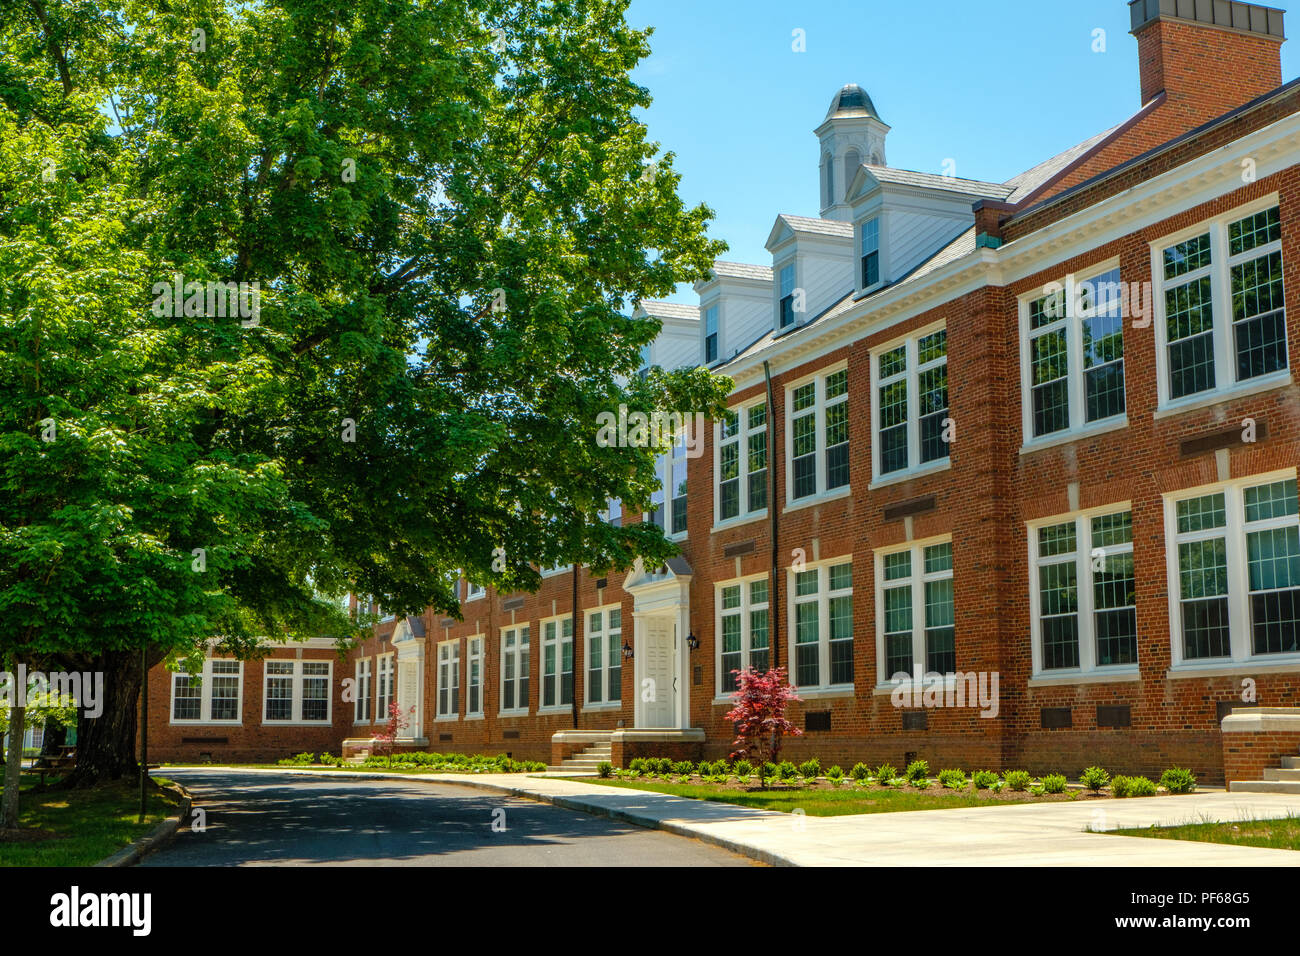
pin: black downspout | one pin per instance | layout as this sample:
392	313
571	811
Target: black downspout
772	472
577	643
144	732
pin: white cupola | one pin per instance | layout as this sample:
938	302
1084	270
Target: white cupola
852	134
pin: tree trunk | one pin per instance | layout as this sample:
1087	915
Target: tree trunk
13	767
106	744
54	737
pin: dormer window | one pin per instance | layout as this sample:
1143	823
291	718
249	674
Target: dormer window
710	334
787	296
870	253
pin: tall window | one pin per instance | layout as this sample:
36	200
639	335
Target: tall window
474	671
787	295
668	502
917	621
557	662
742	462
605	656
449	679
744	638
819	435
613	513
1224	315
1075	355
912	403
821	616
1084	600
474	591
710	334
514	668
384	699
297	692
361	707
213	695
870	253
1237	559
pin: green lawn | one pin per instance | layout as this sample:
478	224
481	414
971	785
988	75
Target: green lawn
831	803
1281	834
80	827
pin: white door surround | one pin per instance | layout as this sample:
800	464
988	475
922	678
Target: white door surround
408	681
661	663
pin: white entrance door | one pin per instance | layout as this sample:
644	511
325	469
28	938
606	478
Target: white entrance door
408	696
658	689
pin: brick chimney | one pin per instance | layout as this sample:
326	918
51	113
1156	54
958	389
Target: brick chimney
1206	56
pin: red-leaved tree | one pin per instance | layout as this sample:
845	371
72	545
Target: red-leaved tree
396	721
759	715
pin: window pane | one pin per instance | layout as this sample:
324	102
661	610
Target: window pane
1259	322
841	640
1049	366
898	631
897	565
940	645
938	557
1257	230
1190	323
932	387
1059	605
807	652
1187	256
1275	500
1056	539
1198	514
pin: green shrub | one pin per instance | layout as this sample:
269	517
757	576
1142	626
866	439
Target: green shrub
1094	778
916	770
767	771
885	773
860	772
638	764
743	769
1054	783
684	768
1036	790
1119	786
787	770
984	779
921	783
298	760
898	783
604	769
1178	780
952	779
810	769
1017	779
663	765
835	774
1140	787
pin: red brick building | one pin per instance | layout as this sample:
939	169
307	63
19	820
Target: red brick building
1037	438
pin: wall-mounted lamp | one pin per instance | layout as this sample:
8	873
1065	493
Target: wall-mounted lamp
627	651
692	641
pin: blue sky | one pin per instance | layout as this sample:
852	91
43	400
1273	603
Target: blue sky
995	86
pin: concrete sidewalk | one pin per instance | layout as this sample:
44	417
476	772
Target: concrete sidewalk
1042	834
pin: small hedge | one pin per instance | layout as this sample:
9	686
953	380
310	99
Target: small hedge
1017	779
952	779
1055	783
1094	778
1178	780
454	763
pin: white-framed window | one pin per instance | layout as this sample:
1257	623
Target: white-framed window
613	513
1220	314
711	334
869	253
1072	354
361	707
910	414
557	661
821	624
1234	571
915	613
474	591
669	500
1083	605
786	304
449	679
384	698
514	669
817	435
296	692
215	696
555	569
743	629
740	468
474	677
605	655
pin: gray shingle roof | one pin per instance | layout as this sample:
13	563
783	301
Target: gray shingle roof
1030	180
820	227
971	187
741	270
670	310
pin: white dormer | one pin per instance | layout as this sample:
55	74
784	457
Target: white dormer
678	343
852	134
812	265
901	218
735	309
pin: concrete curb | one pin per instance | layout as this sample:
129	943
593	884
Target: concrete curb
155	839
565	803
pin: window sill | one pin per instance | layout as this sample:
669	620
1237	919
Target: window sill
813	500
473	717
1057	439
363	722
738	521
296	723
556	709
898	477
824	693
1218	397
207	723
514	712
602	708
446	718
1233	668
1126	676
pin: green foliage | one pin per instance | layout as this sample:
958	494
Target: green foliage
984	779
1140	787
767	770
663	765
810	769
1178	780
1054	783
639	764
835	773
860	772
743	769
683	768
952	779
298	760
787	770
1119	786
1017	779
455	763
604	769
885	773
921	783
1036	790
1094	778
916	770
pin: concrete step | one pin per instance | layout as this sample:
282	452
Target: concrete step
1265	786
582	764
1285	774
1291	763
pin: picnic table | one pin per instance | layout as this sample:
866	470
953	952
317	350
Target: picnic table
62	762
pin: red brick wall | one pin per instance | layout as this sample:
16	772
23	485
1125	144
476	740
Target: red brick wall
1246	756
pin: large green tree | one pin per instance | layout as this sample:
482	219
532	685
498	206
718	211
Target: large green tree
446	210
